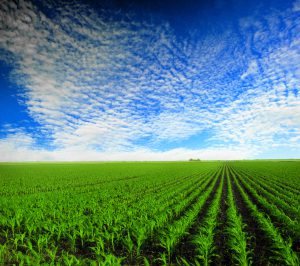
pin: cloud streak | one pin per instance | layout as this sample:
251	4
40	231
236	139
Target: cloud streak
20	148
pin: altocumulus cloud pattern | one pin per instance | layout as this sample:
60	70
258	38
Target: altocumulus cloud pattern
149	82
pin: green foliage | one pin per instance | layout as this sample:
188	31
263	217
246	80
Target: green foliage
204	239
282	249
237	238
139	213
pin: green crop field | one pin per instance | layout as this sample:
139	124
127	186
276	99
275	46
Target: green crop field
154	213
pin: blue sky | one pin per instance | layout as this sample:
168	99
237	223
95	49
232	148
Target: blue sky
149	80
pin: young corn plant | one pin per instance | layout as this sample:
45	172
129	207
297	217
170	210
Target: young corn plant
127	241
282	250
110	259
204	239
140	236
19	240
163	258
174	232
273	195
52	252
70	259
72	240
170	239
237	238
32	251
285	221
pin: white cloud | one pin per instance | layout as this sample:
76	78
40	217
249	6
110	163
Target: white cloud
252	69
13	151
269	114
97	86
134	82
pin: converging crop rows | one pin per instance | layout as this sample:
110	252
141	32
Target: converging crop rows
154	213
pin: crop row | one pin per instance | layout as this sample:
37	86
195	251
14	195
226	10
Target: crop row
198	213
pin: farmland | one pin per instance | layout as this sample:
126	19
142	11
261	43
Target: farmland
152	213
